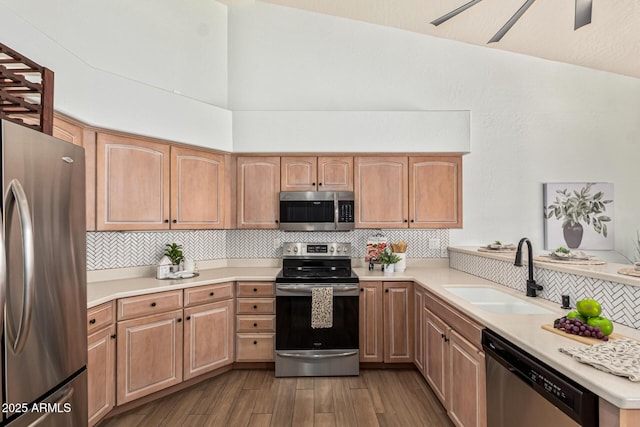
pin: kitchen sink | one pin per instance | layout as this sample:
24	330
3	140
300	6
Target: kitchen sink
495	301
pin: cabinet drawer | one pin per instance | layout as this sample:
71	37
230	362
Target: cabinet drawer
209	293
149	304
256	289
260	323
100	317
462	324
254	347
256	306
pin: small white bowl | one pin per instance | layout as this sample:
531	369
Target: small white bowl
636	265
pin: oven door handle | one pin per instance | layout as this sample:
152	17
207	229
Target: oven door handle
307	289
318	356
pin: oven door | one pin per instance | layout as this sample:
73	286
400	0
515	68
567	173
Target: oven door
293	318
304	351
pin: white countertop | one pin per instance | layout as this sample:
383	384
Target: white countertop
523	330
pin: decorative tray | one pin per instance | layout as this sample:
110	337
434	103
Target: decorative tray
181	276
574	261
629	272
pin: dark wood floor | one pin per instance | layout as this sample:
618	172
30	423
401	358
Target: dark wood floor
394	397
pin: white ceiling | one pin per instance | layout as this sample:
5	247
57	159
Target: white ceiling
611	42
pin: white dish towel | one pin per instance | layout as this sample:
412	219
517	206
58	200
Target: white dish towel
322	307
620	357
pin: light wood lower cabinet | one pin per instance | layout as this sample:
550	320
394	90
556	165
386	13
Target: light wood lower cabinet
386	322
101	368
255	321
418	316
208	337
149	355
454	363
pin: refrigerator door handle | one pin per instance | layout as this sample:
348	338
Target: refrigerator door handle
57	404
19	338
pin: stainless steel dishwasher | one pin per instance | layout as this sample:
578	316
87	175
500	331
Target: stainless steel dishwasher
525	392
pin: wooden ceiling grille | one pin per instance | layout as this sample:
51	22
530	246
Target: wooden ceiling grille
26	91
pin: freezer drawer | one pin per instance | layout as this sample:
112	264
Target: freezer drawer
66	407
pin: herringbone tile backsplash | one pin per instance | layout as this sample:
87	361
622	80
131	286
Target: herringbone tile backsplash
132	249
620	302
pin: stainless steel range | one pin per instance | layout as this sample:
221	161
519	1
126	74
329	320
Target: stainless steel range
317	327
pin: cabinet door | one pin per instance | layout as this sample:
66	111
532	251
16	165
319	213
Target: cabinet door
335	173
398	322
371	322
435	192
132	184
208	338
198	196
467	401
418	335
75	133
381	192
101	378
298	174
258	187
436	355
149	355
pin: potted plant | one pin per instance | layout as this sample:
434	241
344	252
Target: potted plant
577	208
174	252
388	260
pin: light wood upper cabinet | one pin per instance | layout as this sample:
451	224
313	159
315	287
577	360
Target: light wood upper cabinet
132	184
74	132
199	194
381	192
258	187
327	173
435	192
371	316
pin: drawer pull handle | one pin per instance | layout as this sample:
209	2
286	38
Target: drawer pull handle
255	307
255	325
188	317
255	343
113	337
211	294
92	321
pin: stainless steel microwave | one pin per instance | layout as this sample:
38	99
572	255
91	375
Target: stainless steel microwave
316	210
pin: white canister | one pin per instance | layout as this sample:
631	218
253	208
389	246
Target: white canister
402	264
189	265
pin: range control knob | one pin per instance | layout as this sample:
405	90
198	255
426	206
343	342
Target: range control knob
295	249
339	249
332	249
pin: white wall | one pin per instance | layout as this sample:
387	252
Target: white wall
532	120
156	68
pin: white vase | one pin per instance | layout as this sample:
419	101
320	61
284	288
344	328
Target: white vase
389	268
402	264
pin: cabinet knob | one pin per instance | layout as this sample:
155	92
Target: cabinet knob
166	221
442	335
188	317
386	290
255	289
211	294
446	339
92	321
113	337
255	325
153	304
255	307
361	289
319	183
406	220
175	221
277	221
411	220
255	342
313	183
179	319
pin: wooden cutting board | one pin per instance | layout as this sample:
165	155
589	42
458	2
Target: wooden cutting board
584	340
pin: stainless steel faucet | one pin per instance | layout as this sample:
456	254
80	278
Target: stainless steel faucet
532	286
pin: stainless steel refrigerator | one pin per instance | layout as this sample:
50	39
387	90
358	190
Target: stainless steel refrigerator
42	280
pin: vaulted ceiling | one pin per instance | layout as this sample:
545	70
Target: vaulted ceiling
610	42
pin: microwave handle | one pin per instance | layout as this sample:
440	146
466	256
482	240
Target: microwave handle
336	213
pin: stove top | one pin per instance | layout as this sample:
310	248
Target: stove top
316	263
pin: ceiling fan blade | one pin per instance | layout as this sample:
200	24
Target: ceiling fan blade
507	26
454	12
583	13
